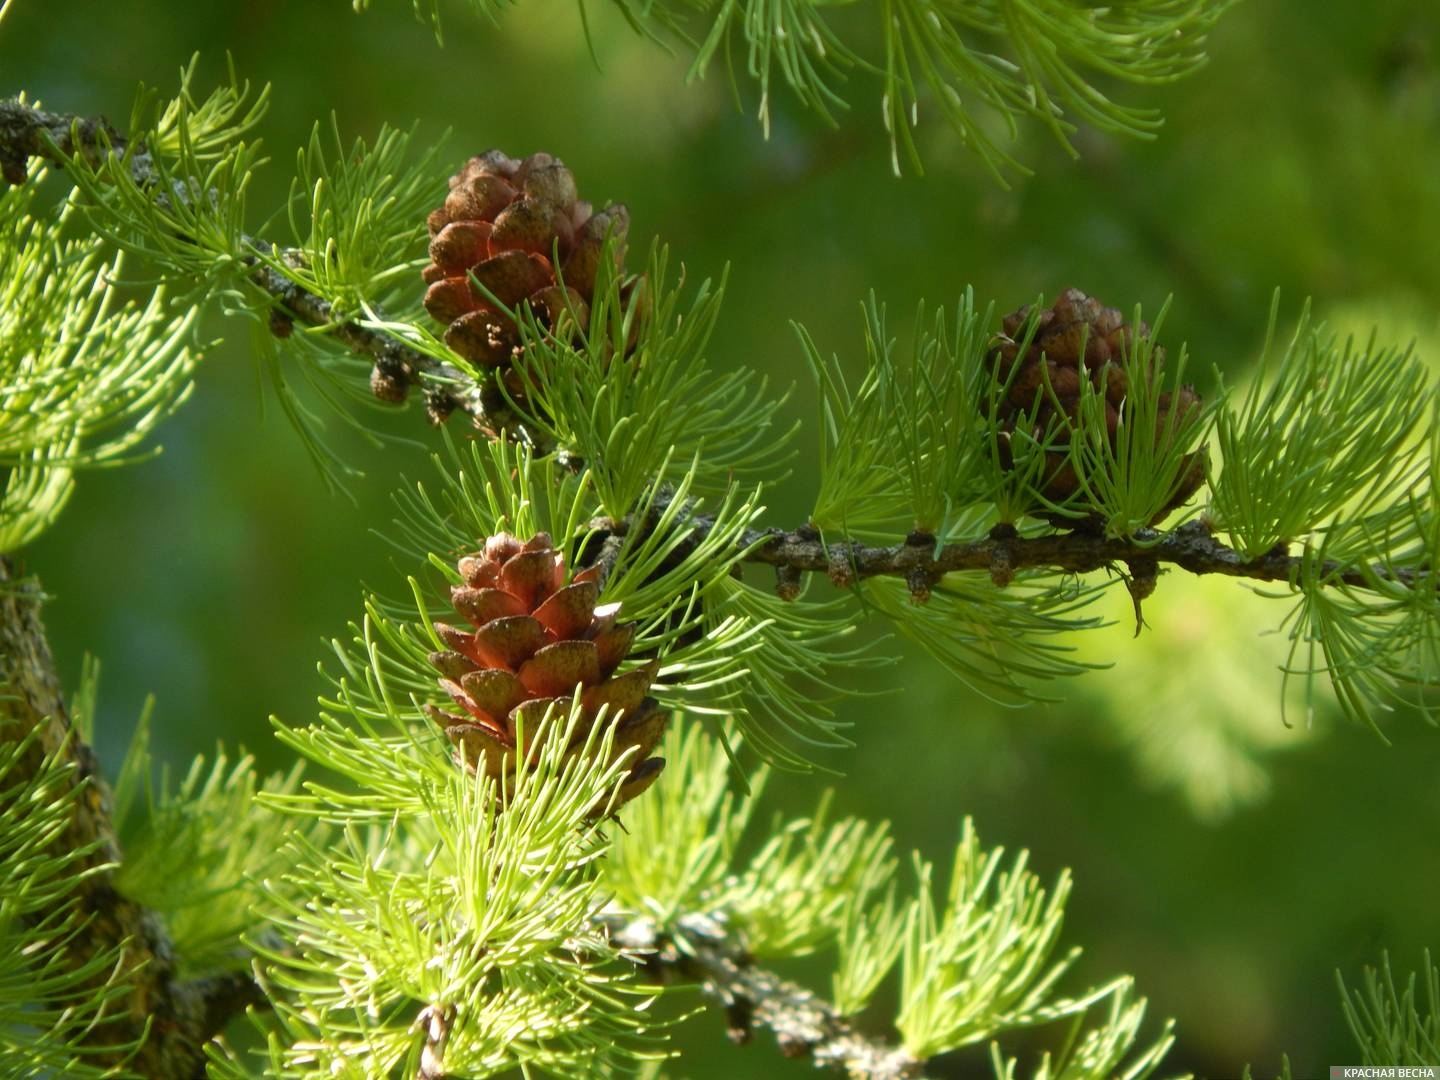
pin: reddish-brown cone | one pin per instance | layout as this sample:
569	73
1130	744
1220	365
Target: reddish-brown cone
504	225
1043	382
535	639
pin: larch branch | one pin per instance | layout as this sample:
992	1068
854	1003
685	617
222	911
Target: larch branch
182	1015
27	132
917	560
701	949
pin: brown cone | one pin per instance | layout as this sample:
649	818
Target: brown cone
504	224
535	640
1043	383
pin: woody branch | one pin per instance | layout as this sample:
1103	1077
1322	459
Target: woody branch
27	132
701	949
166	1019
1001	554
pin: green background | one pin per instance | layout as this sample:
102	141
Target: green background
1231	863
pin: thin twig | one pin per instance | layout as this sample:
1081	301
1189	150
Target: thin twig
1191	547
448	389
922	565
27	132
701	949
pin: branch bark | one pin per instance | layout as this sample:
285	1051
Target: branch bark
183	1014
396	365
27	132
1191	547
700	949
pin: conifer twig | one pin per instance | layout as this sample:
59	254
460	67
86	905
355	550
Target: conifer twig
174	1017
697	948
1191	547
448	388
27	132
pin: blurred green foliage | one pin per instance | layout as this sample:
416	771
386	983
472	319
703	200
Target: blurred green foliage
1230	882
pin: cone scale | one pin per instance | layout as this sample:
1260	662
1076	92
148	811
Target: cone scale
533	641
1075	339
518	231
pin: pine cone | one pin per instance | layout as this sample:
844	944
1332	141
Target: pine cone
1043	383
535	640
504	223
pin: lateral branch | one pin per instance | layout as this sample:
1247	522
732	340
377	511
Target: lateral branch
701	949
27	132
1191	547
